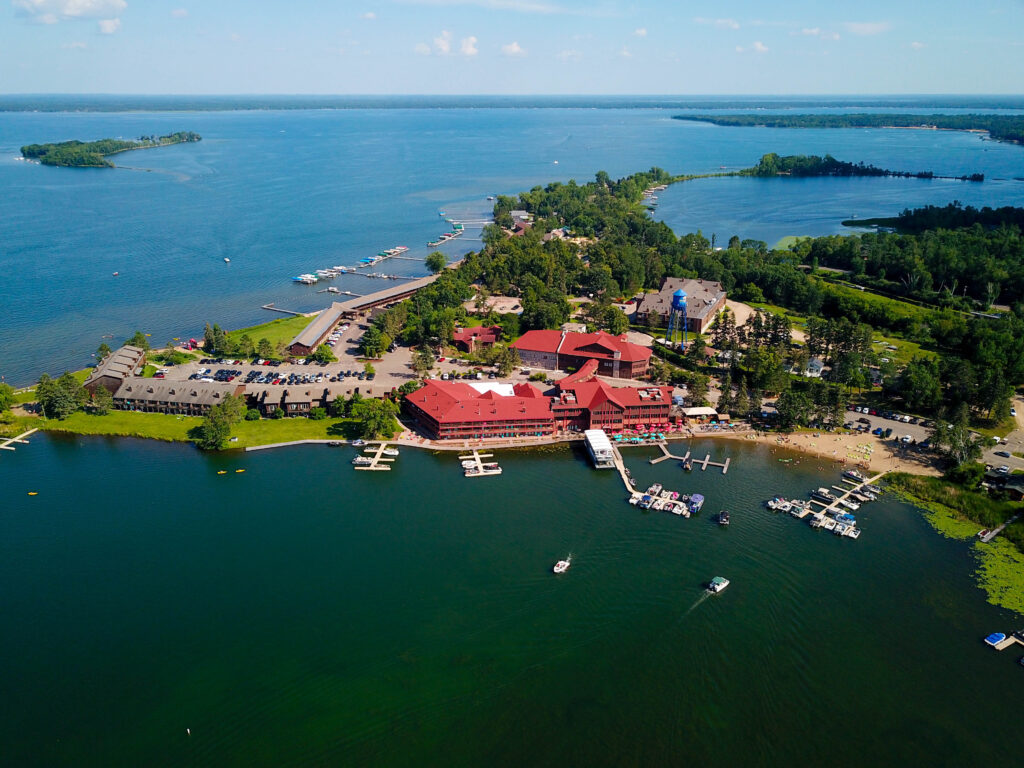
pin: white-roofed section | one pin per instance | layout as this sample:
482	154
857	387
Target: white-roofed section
698	412
600	448
505	390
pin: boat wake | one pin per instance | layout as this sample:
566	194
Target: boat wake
693	607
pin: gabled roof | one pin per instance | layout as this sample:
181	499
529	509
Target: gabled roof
592	393
481	333
120	363
452	402
600	345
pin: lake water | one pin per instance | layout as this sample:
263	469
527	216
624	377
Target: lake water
305	614
285	192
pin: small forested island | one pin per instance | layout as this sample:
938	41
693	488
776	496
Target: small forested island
811	165
93	154
952	216
1001	127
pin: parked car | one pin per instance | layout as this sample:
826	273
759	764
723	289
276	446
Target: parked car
1003	470
1004	454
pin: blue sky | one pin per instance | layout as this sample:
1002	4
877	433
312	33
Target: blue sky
511	46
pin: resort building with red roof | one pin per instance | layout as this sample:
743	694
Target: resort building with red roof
452	410
562	350
585	402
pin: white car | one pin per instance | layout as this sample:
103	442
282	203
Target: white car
1013	411
906	439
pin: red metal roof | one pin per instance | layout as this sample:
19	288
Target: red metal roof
590	394
454	402
600	345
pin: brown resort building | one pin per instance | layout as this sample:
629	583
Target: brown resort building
704	300
562	350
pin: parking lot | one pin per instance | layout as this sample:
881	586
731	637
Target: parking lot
916	429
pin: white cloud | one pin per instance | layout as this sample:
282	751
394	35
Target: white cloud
916	45
108	26
720	23
817	32
760	47
468	46
52	11
624	53
641	32
369	16
443	43
422	49
73	46
513	49
739	49
179	13
865	28
570	55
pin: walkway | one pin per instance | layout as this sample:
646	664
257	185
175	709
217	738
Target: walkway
996	531
295	442
378	461
830	507
704	463
21	439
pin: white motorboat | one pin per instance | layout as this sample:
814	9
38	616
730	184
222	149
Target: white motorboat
717	584
563	565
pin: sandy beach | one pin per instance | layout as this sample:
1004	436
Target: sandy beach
848	450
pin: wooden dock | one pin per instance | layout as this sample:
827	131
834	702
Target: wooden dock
831	506
478	470
996	531
272	308
1013	639
378	462
7	445
703	463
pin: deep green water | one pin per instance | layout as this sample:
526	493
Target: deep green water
305	614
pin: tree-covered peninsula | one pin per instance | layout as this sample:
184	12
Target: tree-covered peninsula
93	154
1001	127
952	216
812	165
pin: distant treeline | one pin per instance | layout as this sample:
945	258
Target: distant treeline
157	103
812	165
952	216
92	154
1002	127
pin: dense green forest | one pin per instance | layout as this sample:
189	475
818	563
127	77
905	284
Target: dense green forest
93	154
812	165
1002	127
952	216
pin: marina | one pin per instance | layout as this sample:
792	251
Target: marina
473	465
379	460
832	515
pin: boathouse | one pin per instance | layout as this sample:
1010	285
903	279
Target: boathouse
115	368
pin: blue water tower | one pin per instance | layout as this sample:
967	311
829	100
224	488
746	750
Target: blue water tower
677	316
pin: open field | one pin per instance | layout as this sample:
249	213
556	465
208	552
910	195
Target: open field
156	426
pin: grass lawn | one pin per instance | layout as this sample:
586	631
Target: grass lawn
157	426
284	430
799	321
905	350
278	332
991	429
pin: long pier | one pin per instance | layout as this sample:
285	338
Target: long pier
378	462
7	445
996	531
272	308
704	463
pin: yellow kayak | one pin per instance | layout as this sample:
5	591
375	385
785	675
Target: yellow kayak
239	470
33	493
222	471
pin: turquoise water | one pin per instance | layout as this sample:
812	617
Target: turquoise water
305	614
284	192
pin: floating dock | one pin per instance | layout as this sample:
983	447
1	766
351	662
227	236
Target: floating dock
703	463
480	468
831	506
1013	639
272	308
378	462
8	445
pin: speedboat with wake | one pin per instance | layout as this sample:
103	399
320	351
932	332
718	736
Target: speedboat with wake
563	565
